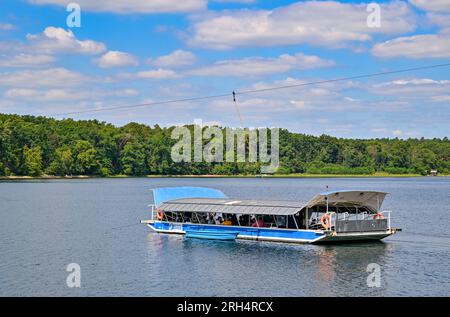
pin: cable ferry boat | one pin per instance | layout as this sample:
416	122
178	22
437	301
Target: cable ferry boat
349	215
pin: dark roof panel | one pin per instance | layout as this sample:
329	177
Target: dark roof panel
249	207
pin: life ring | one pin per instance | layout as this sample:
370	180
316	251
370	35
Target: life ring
325	221
160	214
378	216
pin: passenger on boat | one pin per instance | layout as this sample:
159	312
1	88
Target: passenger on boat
281	221
234	220
187	216
227	222
244	219
218	218
210	219
259	223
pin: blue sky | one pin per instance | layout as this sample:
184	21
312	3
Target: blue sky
135	51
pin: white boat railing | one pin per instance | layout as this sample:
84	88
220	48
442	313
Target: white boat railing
360	216
386	214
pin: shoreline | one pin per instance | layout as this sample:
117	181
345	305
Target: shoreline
377	175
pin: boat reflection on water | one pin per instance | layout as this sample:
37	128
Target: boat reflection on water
344	270
274	269
325	267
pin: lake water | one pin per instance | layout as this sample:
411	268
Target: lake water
45	225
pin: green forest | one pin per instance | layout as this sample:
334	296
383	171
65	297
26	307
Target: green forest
36	146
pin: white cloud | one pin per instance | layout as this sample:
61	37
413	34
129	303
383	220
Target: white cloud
174	59
322	23
57	40
59	94
212	123
412	91
443	20
6	27
435	11
397	133
25	60
133	6
432	5
41	95
159	73
326	98
393	105
127	92
379	130
54	77
116	59
340	129
416	46
298	104
255	66
291	103
441	98
325	89
412	87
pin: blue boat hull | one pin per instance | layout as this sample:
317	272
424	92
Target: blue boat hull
212	234
265	234
248	233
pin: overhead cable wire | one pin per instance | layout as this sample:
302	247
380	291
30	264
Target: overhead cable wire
237	109
251	91
342	79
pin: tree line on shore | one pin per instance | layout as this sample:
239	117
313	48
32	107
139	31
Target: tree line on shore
33	146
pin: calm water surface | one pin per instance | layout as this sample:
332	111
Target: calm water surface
45	225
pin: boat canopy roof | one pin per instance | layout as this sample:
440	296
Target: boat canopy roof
161	195
229	206
366	198
204	200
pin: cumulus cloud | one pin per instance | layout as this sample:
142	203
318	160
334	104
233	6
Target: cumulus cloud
133	6
416	46
54	77
397	133
432	5
441	98
308	100
255	66
26	60
57	40
437	11
412	88
116	59
325	99
340	129
159	73
127	92
41	95
58	94
6	27
321	23
174	59
324	89
442	20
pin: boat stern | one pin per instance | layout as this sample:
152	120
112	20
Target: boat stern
333	236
